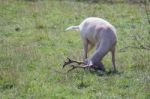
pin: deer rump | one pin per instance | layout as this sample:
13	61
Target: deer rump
100	33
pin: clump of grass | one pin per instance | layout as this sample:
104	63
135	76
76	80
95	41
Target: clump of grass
40	26
82	85
139	61
8	78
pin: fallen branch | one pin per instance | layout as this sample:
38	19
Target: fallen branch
79	64
69	61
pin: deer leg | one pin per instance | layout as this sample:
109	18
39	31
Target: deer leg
85	45
113	58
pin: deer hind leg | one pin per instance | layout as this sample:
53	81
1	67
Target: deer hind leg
87	47
113	57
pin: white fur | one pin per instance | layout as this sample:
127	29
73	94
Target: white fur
100	33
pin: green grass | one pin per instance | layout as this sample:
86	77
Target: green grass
33	46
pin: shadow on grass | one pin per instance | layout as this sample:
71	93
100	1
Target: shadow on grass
99	72
106	73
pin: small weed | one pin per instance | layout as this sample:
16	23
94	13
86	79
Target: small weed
82	85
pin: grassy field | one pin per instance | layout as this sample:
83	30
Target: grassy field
33	46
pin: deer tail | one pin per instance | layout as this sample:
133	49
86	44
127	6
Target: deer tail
72	28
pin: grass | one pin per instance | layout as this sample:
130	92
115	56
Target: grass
33	46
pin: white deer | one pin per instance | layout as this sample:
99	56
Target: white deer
100	33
